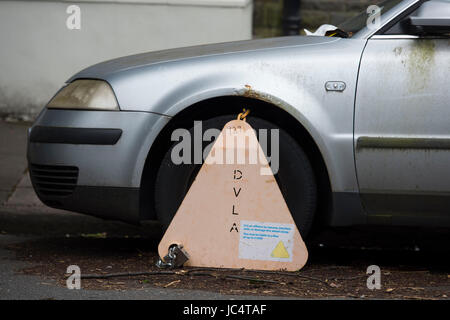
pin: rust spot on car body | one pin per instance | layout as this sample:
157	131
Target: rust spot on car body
249	92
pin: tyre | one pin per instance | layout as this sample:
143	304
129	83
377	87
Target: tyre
295	177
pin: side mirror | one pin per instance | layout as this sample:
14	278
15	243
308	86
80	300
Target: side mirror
432	17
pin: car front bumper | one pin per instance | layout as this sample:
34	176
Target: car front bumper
91	161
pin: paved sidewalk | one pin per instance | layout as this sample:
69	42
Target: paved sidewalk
13	164
15	184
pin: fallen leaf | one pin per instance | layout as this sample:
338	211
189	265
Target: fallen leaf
181	272
334	285
390	289
172	283
416	288
100	235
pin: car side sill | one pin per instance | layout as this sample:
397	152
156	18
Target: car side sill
402	143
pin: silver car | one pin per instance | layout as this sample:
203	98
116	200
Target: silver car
363	113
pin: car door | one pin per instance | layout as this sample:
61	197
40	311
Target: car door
402	126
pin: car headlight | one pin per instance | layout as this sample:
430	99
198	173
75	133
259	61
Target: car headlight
85	94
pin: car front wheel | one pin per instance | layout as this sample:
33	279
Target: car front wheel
295	176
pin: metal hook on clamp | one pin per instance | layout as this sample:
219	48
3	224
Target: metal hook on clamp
243	114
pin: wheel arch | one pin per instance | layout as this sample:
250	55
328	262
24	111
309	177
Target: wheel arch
264	106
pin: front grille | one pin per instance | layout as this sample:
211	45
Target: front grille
54	180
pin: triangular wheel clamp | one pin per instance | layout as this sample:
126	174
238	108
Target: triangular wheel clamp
235	217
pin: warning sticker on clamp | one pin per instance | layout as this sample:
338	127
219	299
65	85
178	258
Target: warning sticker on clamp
266	241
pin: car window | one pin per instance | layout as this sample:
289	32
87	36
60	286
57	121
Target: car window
359	22
402	27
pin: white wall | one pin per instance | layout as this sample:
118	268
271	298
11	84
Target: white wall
38	53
